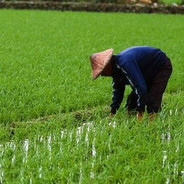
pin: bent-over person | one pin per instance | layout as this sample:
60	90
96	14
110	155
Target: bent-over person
146	69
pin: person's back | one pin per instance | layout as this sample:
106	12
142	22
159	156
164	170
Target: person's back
149	59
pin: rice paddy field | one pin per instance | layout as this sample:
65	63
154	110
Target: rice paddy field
54	123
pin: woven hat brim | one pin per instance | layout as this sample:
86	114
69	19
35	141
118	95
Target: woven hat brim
99	61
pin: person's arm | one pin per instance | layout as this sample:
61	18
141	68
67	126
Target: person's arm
137	82
117	95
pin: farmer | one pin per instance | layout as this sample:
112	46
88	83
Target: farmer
146	69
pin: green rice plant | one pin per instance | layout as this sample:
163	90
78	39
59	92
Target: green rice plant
101	151
54	124
44	56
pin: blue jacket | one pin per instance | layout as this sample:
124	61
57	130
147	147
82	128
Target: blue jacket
135	66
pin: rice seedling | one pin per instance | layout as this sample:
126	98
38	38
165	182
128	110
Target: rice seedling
54	119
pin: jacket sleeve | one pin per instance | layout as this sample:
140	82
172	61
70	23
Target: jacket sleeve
136	80
117	95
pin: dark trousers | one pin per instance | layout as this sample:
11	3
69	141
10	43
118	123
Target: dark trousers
155	90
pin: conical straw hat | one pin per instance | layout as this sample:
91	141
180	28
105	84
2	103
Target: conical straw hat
99	61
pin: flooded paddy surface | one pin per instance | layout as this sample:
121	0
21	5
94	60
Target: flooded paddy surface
103	152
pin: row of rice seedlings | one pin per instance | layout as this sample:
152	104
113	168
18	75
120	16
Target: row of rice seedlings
45	68
86	152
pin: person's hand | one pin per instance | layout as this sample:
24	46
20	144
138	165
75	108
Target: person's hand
152	116
111	114
139	116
